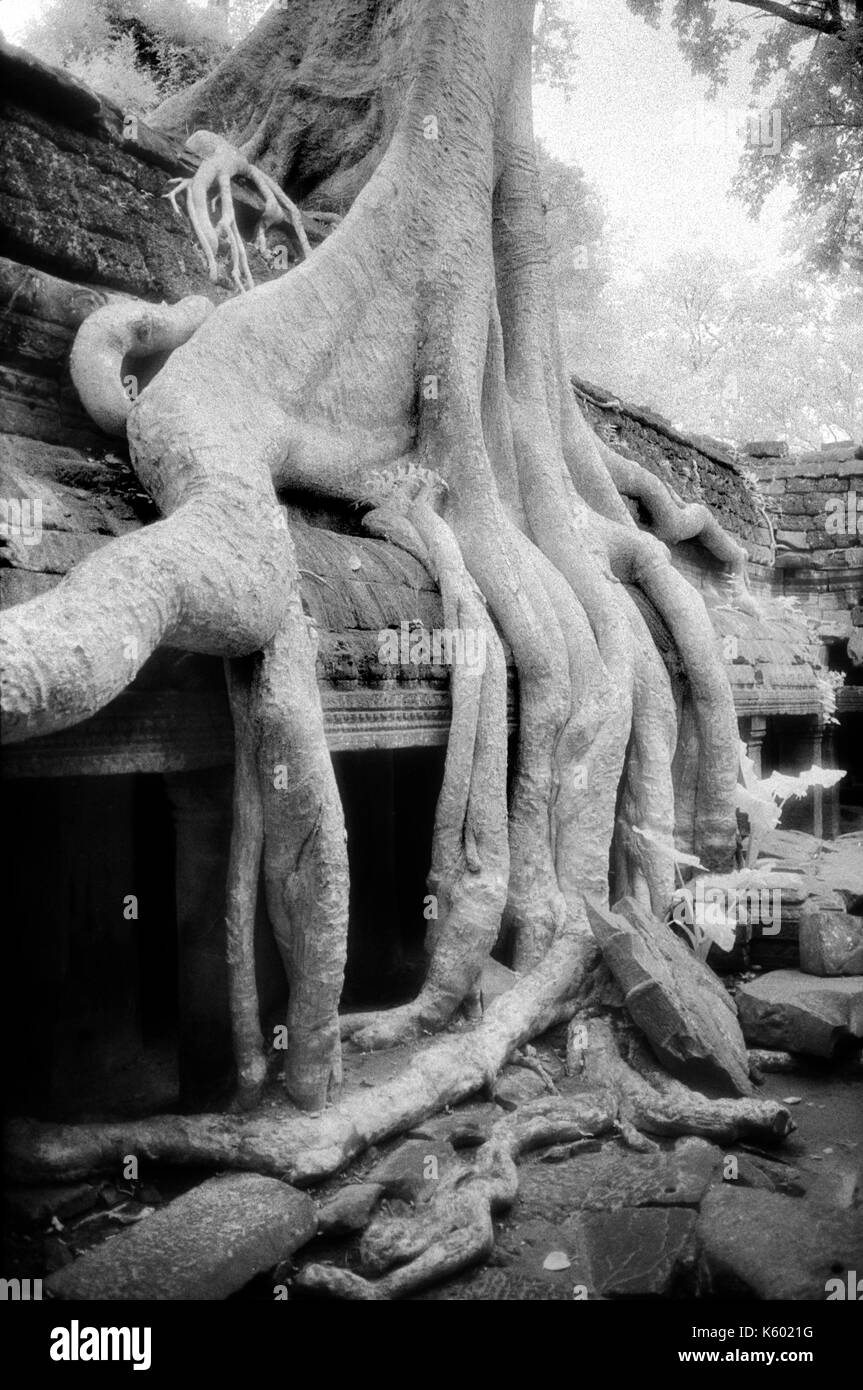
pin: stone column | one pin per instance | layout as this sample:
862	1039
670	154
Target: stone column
830	795
812	758
755	736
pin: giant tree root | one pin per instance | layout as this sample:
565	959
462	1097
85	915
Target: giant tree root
454	1229
653	1103
121	330
302	1149
470	858
423	330
305	861
220	164
241	897
674	520
305	1148
287	819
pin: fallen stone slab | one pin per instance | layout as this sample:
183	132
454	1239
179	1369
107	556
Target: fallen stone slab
549	1251
842	865
795	1012
678	1003
757	1244
830	939
783	1177
833	865
838	1186
646	1253
641	1252
205	1245
774	935
616	1178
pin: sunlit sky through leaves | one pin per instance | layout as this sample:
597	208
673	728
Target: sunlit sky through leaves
637	124
663	158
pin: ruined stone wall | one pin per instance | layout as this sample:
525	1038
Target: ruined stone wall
815	502
697	469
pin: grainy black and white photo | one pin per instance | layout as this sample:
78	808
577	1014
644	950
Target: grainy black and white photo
431	529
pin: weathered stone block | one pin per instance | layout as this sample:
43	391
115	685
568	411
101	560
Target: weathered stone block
205	1245
648	1253
764	1245
801	1013
613	1179
674	998
831	940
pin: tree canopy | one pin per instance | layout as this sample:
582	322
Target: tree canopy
808	67
138	51
727	349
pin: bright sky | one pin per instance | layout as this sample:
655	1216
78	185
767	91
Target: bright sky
14	15
637	124
640	127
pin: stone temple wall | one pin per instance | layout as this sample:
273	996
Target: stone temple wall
697	468
815	502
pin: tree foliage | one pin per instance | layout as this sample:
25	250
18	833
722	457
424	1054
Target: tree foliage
134	51
575	221
723	349
555	47
808	66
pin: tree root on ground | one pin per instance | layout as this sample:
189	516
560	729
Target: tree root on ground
304	1148
453	1228
654	1103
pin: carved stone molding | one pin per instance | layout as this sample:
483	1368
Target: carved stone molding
176	731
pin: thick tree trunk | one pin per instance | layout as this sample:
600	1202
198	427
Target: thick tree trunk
412	363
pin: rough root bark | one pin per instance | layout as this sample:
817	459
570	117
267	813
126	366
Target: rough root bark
411	364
